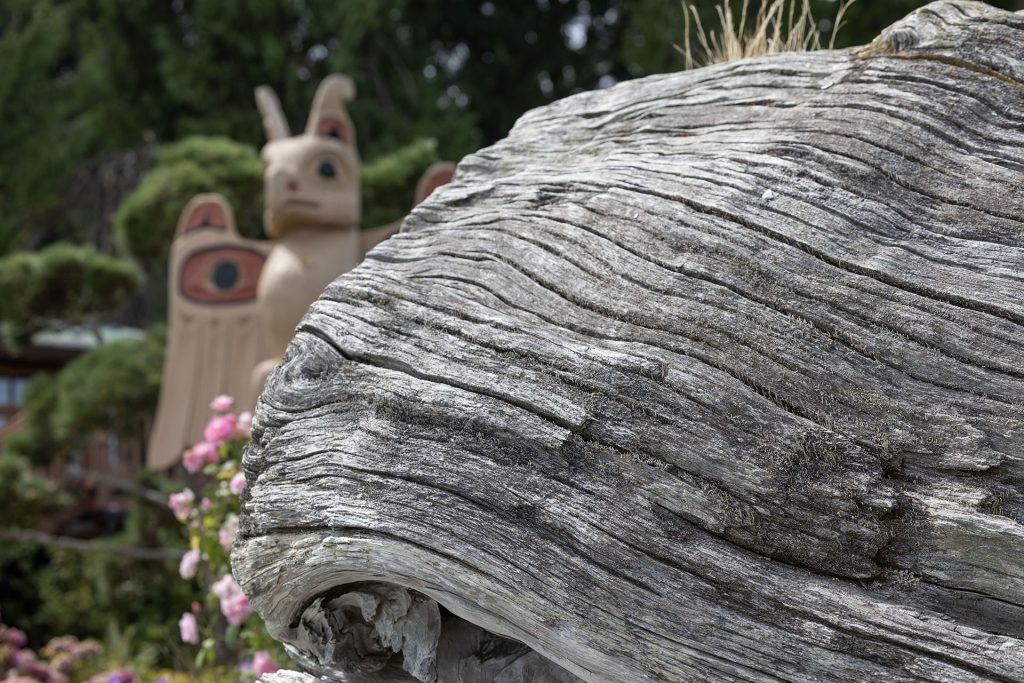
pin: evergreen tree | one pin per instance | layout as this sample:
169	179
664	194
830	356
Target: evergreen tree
84	77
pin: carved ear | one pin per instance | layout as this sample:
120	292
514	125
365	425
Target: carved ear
434	177
206	212
328	115
275	125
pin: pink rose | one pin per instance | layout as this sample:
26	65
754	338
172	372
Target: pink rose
206	504
263	663
189	628
222	403
220	428
233	603
227	533
237	483
236	609
181	504
196	607
189	564
226	587
206	452
243	429
192	460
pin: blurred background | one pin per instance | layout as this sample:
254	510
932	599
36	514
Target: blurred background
115	113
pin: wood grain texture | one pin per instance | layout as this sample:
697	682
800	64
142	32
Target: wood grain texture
710	376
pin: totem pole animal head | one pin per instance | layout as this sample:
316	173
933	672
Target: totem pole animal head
311	180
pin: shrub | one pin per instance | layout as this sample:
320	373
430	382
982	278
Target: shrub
390	181
111	389
220	623
62	281
24	496
145	221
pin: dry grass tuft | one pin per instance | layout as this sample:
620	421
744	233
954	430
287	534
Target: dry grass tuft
777	26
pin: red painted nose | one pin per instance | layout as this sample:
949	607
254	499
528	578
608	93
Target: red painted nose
292	186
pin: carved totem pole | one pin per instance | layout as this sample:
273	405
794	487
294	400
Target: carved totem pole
234	303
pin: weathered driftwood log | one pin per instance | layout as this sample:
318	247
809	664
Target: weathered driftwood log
711	376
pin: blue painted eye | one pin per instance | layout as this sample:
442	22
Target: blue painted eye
225	275
327	170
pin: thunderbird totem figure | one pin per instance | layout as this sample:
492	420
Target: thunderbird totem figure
233	302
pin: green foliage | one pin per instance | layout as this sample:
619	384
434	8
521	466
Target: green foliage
145	222
18	564
24	496
389	182
77	79
226	629
84	593
35	441
82	77
95	594
50	591
73	283
111	389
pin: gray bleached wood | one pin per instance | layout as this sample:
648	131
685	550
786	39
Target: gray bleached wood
711	376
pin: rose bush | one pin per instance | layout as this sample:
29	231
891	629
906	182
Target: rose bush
225	641
221	622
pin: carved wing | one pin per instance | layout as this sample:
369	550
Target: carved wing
434	177
215	333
